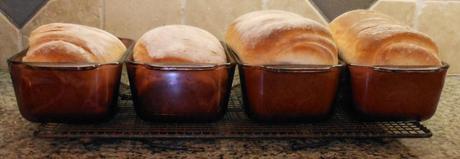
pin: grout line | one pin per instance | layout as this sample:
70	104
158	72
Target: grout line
28	18
372	6
10	19
419	5
319	10
183	11
36	14
324	19
15	27
102	14
264	4
20	43
373	3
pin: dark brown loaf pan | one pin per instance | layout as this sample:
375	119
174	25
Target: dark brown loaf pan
180	92
396	93
66	93
280	93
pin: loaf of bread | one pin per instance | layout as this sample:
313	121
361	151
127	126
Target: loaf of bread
179	44
370	38
61	42
280	37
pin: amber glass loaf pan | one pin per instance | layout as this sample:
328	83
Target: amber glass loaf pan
66	93
279	93
180	93
396	93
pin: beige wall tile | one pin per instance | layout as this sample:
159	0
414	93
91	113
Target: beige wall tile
440	20
9	41
86	12
215	15
132	18
402	10
302	7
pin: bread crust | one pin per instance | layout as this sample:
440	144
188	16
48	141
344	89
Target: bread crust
370	38
280	37
179	44
63	42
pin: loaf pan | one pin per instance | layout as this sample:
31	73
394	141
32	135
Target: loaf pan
180	92
66	92
396	92
288	93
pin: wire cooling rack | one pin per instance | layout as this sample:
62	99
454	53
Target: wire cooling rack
235	124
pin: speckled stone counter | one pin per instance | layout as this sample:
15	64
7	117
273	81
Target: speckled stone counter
17	141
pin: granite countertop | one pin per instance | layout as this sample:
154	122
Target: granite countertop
17	140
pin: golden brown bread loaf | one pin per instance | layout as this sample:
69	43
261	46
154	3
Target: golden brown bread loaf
62	42
179	44
371	38
280	37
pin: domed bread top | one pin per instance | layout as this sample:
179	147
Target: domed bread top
280	37
371	38
179	44
63	42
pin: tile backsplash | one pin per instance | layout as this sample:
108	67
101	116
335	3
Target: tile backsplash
131	18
